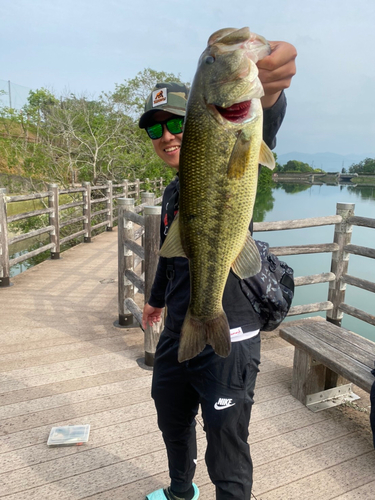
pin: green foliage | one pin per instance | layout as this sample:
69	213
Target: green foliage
77	138
296	166
366	166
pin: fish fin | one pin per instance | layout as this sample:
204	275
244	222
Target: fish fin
215	37
195	334
172	246
266	157
247	262
239	157
192	339
218	335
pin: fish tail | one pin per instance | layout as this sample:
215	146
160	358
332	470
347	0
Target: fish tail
218	335
195	334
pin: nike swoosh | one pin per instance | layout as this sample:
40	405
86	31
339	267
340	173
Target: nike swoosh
217	407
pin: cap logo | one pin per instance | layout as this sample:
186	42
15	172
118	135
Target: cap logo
159	97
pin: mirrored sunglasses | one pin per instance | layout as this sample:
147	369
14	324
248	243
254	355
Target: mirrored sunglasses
174	126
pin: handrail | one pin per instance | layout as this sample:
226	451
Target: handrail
62	216
128	280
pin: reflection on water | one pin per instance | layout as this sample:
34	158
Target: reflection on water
299	201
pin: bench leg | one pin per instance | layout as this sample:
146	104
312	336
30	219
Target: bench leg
308	376
334	380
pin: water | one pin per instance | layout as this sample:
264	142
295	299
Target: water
296	201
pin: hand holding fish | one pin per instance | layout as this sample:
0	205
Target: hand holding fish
276	71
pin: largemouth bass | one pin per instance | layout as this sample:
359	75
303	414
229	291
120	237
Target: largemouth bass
221	148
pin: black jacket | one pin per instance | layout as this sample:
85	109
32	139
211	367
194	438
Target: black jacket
175	293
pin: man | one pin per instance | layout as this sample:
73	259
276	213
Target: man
224	387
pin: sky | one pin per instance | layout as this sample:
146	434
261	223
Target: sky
88	46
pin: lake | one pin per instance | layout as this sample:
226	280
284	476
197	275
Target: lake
299	201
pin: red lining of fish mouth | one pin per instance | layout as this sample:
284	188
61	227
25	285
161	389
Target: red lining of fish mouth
235	113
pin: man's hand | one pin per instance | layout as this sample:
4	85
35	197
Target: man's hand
151	315
276	71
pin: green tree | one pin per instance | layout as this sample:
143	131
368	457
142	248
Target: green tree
366	166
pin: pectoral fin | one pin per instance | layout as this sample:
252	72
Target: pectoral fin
248	261
239	157
172	246
266	157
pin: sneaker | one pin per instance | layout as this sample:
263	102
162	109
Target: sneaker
160	494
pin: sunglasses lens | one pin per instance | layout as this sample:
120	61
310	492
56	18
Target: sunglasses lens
175	125
155	131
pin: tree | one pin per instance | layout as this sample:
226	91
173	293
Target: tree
366	166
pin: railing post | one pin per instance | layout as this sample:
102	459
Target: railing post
126	189
151	245
54	237
147	198
137	189
340	262
87	211
4	248
109	194
125	260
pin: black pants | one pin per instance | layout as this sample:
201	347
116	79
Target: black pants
225	388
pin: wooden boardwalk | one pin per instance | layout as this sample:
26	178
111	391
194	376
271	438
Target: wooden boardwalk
62	361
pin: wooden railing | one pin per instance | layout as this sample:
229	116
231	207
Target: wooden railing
81	211
344	220
337	276
131	255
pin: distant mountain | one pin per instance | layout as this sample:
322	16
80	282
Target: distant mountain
330	162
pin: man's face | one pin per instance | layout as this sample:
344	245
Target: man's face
169	145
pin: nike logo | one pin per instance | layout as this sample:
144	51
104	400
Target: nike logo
223	403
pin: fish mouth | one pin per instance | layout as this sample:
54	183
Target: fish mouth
235	113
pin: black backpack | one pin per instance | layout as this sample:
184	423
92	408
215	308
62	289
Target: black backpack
271	291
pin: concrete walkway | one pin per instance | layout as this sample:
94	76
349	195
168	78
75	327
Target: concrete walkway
62	361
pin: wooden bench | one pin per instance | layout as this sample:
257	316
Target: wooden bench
326	356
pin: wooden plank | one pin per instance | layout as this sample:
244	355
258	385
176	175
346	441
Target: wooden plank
309	308
60	400
26	215
314	278
362	221
360	283
364	492
306	463
305	249
73	413
352	479
297	223
357	250
338	336
134	247
337	361
100	420
74	384
357	313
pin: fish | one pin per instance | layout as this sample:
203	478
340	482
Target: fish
221	148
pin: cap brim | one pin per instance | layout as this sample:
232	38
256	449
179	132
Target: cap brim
145	118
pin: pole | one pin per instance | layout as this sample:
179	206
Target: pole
152	216
125	260
4	245
54	237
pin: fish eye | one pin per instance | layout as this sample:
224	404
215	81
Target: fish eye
209	60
